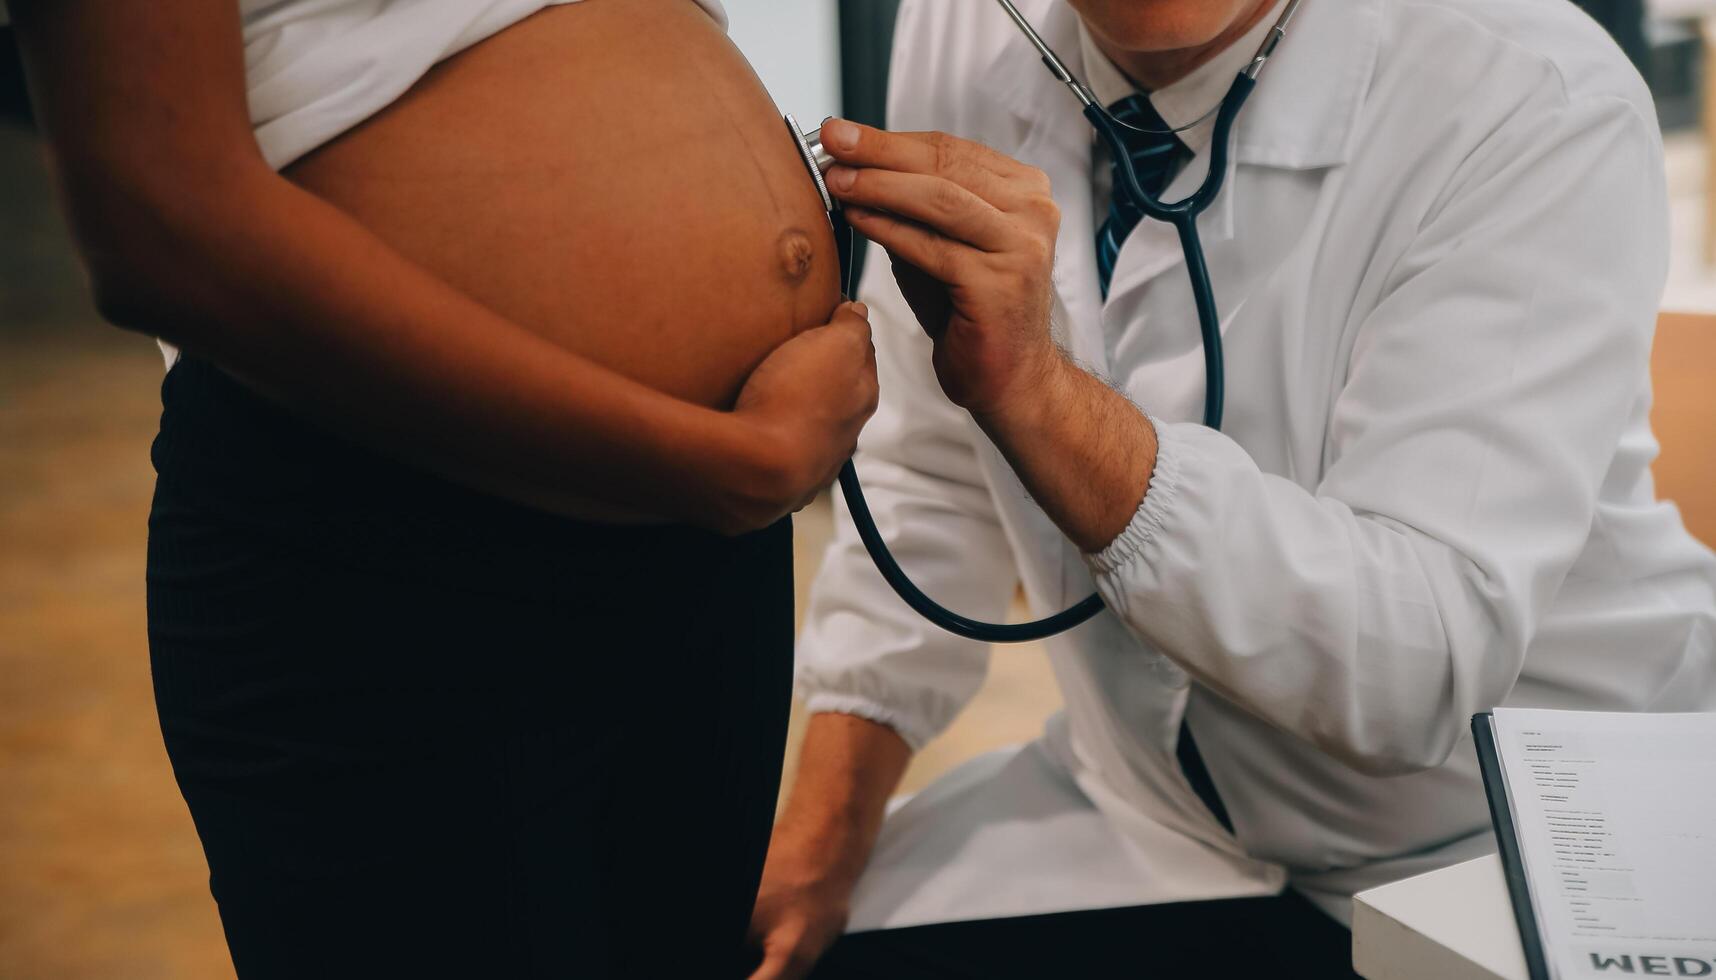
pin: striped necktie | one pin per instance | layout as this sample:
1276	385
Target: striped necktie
1156	156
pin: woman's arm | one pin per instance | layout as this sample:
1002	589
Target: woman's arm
190	236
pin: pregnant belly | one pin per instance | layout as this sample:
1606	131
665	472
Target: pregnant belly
610	175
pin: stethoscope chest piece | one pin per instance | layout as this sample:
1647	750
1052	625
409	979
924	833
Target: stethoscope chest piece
816	159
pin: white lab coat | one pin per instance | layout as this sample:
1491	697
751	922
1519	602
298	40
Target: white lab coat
1438	259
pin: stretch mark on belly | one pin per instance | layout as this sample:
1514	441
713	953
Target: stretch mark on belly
797	253
795	248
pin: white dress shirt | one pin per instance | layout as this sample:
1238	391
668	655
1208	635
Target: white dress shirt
1186	103
1438	259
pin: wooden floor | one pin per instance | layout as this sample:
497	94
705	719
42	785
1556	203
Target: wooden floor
101	875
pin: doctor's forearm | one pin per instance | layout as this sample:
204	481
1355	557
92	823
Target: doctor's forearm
848	769
1083	451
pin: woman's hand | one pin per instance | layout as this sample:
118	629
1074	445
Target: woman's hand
971	233
804	406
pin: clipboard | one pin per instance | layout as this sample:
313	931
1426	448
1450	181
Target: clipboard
1507	842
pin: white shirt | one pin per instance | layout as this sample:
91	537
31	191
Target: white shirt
1188	100
1438	259
316	68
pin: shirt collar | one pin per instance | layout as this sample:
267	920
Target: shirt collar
1192	96
1301	116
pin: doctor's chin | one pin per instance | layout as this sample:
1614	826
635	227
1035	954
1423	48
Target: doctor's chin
858	489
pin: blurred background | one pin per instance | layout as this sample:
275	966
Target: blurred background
101	875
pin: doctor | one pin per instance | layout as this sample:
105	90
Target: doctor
1438	257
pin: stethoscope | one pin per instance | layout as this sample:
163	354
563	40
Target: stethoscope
1183	215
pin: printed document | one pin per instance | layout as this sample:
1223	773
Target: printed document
1616	820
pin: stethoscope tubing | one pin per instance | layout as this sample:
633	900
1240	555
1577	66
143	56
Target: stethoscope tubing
1183	215
935	612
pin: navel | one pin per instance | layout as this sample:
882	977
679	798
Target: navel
796	253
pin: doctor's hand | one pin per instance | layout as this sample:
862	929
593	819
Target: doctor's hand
848	768
971	234
800	912
800	412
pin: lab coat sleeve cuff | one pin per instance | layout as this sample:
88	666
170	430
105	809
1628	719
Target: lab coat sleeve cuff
1152	514
827	702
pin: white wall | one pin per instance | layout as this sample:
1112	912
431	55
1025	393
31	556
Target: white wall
795	47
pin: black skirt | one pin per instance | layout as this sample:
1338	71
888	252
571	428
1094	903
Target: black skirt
426	732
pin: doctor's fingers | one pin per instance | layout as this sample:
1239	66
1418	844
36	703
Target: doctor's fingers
943	259
991	175
957	150
933	201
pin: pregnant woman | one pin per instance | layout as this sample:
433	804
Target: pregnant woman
504	335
